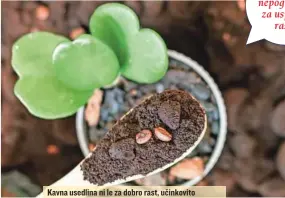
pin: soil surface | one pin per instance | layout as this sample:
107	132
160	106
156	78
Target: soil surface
124	154
251	78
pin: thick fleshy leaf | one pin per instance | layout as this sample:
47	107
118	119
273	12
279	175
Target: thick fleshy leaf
142	53
31	54
148	60
47	98
113	23
85	63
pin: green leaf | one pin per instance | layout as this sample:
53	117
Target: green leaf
31	54
112	23
38	88
47	98
85	63
142	52
148	60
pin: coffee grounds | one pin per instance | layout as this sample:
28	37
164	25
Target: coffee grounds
169	113
118	156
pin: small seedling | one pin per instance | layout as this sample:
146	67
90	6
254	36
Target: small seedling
57	76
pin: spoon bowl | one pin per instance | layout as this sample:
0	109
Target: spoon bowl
76	177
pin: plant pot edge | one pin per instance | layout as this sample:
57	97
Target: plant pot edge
81	125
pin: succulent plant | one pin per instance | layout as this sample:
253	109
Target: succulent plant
57	76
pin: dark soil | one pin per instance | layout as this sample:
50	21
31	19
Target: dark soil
213	33
118	156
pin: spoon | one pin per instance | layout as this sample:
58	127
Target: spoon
75	177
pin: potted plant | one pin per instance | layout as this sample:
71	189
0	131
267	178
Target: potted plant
58	76
183	73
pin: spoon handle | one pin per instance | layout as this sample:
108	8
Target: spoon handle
73	178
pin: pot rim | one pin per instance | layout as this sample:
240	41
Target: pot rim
221	137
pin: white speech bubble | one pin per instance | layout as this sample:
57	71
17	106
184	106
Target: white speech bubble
262	15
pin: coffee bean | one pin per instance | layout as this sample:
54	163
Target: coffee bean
162	134
143	136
